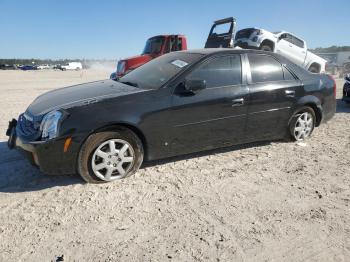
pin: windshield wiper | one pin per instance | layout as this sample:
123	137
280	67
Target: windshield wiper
129	83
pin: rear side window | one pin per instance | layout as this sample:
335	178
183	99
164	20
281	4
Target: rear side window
219	71
265	68
298	42
287	75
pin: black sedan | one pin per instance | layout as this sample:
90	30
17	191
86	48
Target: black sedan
179	103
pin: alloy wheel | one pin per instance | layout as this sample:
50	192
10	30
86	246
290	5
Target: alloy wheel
113	159
303	126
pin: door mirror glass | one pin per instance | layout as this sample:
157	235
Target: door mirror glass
195	85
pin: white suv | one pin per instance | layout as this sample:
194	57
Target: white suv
283	43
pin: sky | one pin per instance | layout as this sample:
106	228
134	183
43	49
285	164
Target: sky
104	29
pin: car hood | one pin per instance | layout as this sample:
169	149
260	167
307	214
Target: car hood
77	95
136	61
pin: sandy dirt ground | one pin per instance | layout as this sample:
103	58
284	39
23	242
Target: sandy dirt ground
273	201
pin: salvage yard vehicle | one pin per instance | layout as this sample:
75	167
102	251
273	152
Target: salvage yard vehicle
41	67
155	47
72	66
283	43
346	89
176	104
7	67
221	34
28	67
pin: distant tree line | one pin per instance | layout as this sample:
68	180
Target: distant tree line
15	61
331	49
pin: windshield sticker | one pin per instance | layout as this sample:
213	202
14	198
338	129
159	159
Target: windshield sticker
179	63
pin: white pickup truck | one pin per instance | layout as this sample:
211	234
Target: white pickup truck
282	42
72	66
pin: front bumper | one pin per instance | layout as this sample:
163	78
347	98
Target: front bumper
49	156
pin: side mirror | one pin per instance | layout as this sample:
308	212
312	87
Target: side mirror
195	85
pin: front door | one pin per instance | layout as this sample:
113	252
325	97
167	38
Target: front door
285	45
221	33
214	116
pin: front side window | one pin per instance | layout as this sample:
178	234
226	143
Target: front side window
265	68
220	29
287	75
287	37
157	72
298	42
219	71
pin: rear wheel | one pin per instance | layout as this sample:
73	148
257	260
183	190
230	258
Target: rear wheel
302	124
265	47
314	69
109	156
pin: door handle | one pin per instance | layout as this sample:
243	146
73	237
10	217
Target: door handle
238	102
289	93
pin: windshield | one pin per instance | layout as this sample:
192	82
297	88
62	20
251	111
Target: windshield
154	45
157	72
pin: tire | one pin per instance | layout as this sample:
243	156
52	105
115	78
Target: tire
265	47
89	159
314	70
296	124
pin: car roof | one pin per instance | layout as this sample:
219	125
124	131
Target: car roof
298	70
210	51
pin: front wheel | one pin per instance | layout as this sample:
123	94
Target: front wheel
109	156
302	124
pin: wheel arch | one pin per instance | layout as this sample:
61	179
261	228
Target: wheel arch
315	65
268	42
118	125
312	102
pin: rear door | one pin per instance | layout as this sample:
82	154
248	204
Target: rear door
214	116
221	33
272	93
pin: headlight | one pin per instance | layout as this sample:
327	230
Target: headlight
49	125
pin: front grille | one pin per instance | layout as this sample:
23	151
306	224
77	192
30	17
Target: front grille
245	33
27	128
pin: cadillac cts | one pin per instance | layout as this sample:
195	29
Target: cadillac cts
176	104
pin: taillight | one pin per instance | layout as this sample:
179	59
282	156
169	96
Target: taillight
334	86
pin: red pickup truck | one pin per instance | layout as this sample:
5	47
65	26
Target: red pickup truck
155	46
220	35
